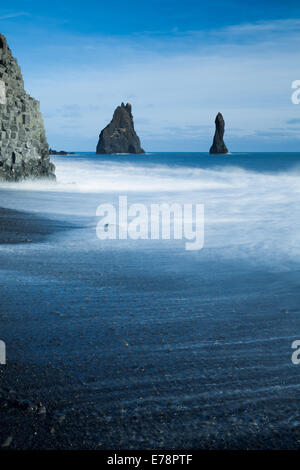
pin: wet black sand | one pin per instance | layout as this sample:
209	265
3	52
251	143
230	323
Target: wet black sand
127	349
73	418
25	227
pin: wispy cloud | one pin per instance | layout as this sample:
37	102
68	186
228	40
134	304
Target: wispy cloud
176	84
282	25
13	15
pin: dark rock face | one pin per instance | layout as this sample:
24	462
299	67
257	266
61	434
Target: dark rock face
24	151
119	135
218	145
61	152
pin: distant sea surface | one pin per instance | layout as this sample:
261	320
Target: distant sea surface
179	349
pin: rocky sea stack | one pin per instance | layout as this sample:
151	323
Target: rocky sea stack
119	135
24	151
218	145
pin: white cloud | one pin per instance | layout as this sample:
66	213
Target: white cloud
170	87
282	25
13	15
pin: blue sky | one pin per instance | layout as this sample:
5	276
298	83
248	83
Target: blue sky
178	63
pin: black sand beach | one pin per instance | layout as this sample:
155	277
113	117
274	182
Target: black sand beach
149	385
142	344
24	227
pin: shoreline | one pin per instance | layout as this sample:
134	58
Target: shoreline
149	346
28	419
18	227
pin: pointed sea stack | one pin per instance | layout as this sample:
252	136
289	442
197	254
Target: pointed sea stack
24	151
119	135
218	145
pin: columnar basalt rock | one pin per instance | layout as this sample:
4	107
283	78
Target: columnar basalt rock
218	145
119	135
24	151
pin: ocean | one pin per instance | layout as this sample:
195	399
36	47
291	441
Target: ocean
172	348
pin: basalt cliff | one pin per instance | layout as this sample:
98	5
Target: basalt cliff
24	151
218	145
119	135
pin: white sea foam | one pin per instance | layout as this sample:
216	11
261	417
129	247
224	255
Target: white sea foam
87	176
246	212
